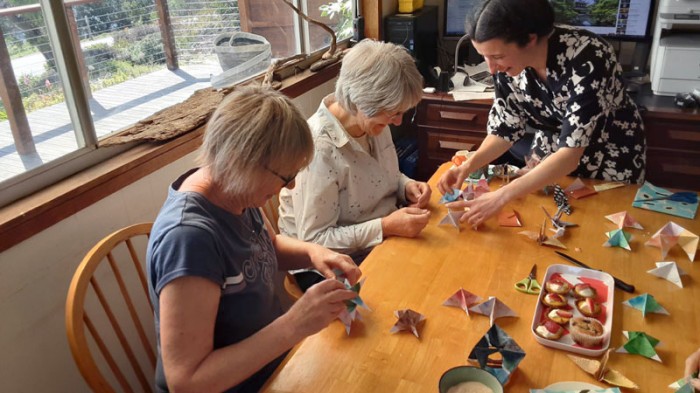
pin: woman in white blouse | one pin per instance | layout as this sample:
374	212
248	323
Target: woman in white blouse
349	198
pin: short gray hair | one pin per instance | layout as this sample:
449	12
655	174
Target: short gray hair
254	128
377	77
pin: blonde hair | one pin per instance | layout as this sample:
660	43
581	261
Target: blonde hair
378	77
254	128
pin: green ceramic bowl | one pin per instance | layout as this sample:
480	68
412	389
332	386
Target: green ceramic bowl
457	375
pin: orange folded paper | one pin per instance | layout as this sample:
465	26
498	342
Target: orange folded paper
509	218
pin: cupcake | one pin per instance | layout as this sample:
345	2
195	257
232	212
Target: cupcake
587	332
549	330
559	316
554	300
585	291
557	286
589	307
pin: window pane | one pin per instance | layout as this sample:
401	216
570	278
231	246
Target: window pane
35	126
273	20
337	14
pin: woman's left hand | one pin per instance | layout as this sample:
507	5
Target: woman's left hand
418	194
481	208
325	261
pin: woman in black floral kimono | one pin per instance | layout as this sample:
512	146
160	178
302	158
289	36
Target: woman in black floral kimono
563	82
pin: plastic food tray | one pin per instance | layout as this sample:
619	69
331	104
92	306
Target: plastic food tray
573	275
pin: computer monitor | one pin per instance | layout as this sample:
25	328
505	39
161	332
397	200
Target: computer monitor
625	20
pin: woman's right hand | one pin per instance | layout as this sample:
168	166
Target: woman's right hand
319	306
453	178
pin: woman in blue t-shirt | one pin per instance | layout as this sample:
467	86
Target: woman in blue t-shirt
563	82
212	255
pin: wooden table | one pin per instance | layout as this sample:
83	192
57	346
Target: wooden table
421	273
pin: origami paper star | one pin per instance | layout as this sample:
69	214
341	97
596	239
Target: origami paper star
670	235
494	309
509	218
646	304
451	196
473	192
452	218
350	313
542	239
561	200
669	271
408	320
618	238
624	220
578	189
640	343
600	371
462	299
608	186
497	341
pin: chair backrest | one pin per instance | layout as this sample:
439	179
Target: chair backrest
110	302
271	210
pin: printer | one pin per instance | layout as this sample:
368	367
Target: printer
675	54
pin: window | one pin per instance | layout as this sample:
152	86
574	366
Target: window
76	72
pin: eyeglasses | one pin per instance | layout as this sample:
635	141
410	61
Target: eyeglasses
285	179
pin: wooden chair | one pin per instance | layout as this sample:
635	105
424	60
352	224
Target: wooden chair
110	302
271	211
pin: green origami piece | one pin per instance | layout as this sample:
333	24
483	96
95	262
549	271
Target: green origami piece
646	304
618	238
640	343
683	385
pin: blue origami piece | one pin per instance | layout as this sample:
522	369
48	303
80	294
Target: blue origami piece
497	341
350	313
618	238
451	196
646	304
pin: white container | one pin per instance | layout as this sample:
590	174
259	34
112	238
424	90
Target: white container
241	55
572	274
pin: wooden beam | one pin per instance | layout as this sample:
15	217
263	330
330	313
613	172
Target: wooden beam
372	13
12	99
166	32
80	58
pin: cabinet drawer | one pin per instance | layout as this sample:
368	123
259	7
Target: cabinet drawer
673	134
673	168
442	146
457	117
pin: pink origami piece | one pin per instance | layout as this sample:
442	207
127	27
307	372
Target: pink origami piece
494	309
473	192
579	190
462	299
670	235
408	320
624	220
452	218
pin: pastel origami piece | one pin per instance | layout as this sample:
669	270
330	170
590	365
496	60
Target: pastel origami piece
462	299
640	343
646	304
509	218
683	385
681	204
608	186
618	238
497	341
350	314
472	192
668	271
600	371
624	220
561	200
671	234
542	239
578	189
408	320
494	309
452	218
451	196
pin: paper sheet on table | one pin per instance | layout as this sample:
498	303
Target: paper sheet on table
474	86
468	95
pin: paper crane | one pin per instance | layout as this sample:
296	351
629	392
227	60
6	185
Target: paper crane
671	234
640	343
497	341
350	313
561	200
408	320
646	304
669	271
578	189
618	238
600	371
542	239
462	299
559	226
494	309
624	220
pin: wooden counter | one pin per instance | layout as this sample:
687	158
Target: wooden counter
421	273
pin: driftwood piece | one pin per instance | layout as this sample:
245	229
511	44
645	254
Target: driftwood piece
172	121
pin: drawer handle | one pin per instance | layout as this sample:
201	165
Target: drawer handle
457	116
455	145
684	135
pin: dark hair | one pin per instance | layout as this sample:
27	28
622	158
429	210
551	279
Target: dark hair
509	20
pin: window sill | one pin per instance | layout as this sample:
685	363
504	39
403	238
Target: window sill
26	217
